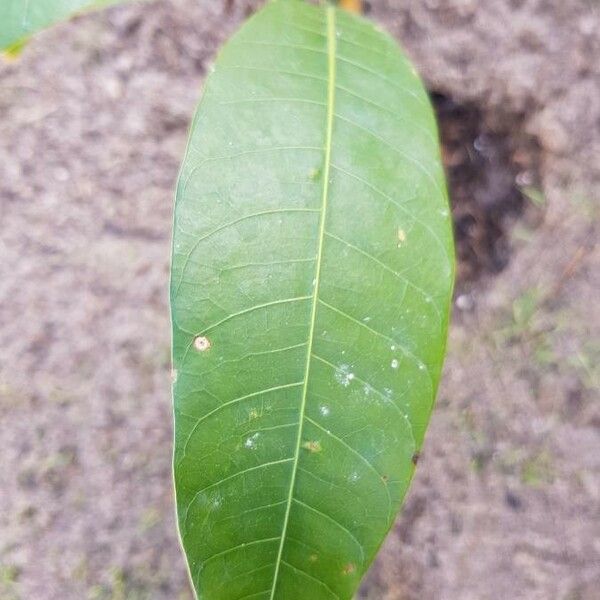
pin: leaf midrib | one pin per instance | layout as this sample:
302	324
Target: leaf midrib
331	64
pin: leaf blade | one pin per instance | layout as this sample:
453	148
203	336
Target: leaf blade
307	461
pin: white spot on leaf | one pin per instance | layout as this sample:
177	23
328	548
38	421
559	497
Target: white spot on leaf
201	343
343	375
250	442
401	237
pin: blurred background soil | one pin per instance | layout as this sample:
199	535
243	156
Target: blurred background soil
93	120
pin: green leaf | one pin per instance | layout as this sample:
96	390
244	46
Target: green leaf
311	281
21	18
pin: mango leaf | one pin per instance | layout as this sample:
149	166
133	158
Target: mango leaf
311	281
19	19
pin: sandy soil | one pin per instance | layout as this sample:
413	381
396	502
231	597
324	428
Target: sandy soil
93	120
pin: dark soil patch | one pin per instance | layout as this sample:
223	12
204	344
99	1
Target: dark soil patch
490	171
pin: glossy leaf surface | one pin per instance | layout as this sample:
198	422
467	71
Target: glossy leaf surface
21	18
311	280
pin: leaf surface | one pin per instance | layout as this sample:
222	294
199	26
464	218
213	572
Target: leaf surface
311	280
20	19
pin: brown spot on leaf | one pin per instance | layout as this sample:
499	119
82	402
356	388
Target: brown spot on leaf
415	457
349	569
312	446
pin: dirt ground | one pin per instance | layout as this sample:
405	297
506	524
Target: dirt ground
93	121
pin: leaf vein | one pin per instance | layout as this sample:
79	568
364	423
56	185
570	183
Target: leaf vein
397	274
402	348
233	476
205	236
309	576
360	457
397	204
230	403
252	309
383	396
335	522
405	155
234	548
331	65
